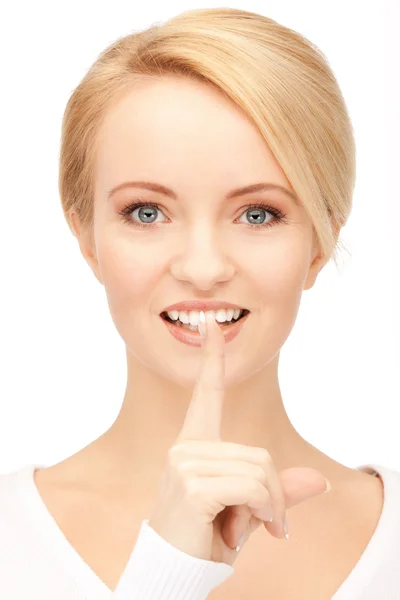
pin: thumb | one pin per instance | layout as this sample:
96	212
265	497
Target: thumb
298	484
302	483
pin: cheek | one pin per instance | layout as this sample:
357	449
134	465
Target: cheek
279	287
129	273
280	276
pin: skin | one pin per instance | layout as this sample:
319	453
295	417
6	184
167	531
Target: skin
190	138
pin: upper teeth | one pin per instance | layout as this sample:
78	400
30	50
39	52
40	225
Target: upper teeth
193	316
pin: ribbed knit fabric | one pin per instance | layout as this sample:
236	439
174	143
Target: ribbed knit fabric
38	563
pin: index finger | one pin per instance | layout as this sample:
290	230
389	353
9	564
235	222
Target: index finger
204	414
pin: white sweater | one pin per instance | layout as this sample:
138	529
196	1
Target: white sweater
38	563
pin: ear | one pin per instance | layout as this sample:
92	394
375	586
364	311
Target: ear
86	244
316	266
318	261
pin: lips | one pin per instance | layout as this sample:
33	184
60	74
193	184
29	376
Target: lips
193	338
198	305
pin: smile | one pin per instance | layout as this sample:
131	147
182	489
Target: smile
187	332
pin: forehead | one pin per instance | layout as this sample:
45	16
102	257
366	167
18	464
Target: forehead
178	128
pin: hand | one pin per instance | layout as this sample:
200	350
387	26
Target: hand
212	491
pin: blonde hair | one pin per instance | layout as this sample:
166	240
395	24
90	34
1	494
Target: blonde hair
280	80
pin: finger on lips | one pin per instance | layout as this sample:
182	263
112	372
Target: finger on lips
204	415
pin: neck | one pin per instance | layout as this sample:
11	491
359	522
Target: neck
132	452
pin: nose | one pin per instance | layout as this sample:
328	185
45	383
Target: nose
203	261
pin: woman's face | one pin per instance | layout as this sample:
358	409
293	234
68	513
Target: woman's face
199	246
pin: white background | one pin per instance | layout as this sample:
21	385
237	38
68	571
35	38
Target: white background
63	370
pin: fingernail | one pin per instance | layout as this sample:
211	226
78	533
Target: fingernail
285	527
266	514
328	486
240	543
202	325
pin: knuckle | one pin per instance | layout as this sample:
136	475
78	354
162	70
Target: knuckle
175	453
266	459
265	497
259	494
262	476
256	488
207	388
172	451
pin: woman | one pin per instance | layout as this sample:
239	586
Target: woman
207	166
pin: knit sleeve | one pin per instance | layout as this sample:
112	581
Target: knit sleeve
156	570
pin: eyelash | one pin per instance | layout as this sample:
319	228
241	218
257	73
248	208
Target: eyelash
279	216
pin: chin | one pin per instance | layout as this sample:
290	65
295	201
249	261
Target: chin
184	373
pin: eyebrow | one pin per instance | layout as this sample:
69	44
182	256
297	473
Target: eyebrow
162	189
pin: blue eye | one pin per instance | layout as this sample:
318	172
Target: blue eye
256	212
146	211
149	214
